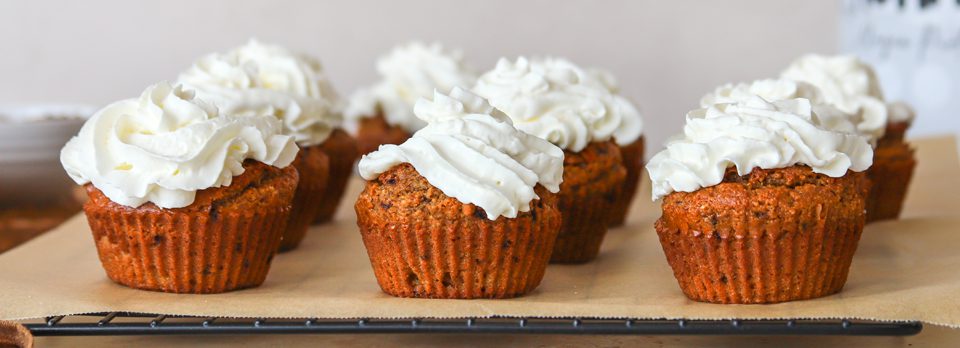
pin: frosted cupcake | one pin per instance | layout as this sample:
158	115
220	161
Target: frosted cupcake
183	199
383	113
259	79
465	208
554	100
851	86
761	202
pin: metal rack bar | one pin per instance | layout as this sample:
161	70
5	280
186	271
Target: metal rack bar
120	323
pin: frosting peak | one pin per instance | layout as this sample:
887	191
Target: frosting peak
556	100
409	72
258	79
472	152
773	90
753	134
847	83
457	105
166	145
769	89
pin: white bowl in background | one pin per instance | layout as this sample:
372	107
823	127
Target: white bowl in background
31	137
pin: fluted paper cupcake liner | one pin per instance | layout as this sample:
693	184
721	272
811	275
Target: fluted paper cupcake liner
633	161
308	198
461	259
797	257
342	155
585	220
187	252
890	177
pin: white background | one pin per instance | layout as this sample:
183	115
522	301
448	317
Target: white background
666	54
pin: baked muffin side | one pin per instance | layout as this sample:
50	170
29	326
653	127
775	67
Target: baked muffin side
592	184
770	236
423	243
342	153
890	175
313	167
633	162
226	241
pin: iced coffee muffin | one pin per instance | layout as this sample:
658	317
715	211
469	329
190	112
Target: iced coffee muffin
761	203
260	79
555	100
851	85
466	208
183	199
383	112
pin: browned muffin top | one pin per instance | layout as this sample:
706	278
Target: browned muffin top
259	186
403	193
765	194
599	161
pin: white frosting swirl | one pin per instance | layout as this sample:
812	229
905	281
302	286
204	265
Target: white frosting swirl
472	152
632	125
847	83
900	112
769	89
554	99
409	72
166	146
258	79
773	90
753	134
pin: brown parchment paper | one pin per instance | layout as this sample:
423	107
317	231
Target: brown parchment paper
903	270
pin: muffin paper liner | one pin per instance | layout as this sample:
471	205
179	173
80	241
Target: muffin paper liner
633	162
458	259
584	223
342	156
187	252
798	255
307	200
890	177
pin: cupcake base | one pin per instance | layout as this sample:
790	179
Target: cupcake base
592	183
341	150
313	167
770	236
224	241
633	162
894	134
422	243
375	131
890	174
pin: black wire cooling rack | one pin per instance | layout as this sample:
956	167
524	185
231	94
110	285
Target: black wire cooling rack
122	323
